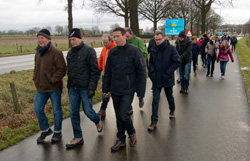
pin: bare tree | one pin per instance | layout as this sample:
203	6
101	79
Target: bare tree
134	22
116	7
154	10
113	26
59	30
205	6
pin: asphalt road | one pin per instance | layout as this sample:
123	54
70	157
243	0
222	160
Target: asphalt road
212	124
24	62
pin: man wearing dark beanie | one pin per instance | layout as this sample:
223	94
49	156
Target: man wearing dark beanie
184	47
50	68
83	76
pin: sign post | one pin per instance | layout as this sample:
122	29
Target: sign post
174	26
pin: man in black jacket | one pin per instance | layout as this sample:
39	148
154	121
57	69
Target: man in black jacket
125	74
164	60
83	76
203	52
184	47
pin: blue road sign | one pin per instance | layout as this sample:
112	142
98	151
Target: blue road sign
219	33
174	26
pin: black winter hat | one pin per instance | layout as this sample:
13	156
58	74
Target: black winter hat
182	34
44	33
75	32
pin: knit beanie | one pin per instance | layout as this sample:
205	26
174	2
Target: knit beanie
75	32
182	34
44	33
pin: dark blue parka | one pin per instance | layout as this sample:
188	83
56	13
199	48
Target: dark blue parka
195	50
125	71
164	60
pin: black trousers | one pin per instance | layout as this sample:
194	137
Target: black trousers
122	105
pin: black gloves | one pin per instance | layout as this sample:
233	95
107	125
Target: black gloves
105	97
141	102
91	93
217	61
232	61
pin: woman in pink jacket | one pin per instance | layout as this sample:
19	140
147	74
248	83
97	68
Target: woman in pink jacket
223	57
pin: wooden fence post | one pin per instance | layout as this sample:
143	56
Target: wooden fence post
15	99
17	47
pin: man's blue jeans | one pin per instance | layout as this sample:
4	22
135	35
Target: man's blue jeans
39	104
122	105
155	102
75	98
210	64
223	65
184	71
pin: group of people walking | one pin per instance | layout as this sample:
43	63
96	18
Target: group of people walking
122	65
209	48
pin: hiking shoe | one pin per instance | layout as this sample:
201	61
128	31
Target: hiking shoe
131	112
74	142
132	140
101	113
152	127
44	135
56	137
182	90
99	126
171	115
118	145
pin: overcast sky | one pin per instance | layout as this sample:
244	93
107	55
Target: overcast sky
26	14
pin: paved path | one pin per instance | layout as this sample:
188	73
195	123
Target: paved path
212	124
24	62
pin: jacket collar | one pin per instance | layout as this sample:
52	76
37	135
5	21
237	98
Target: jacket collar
77	47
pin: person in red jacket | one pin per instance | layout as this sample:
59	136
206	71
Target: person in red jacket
223	57
108	44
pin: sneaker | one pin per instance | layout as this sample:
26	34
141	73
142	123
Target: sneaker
182	90
118	145
44	135
152	127
74	142
101	113
99	126
195	73
211	75
132	140
131	112
207	75
186	91
171	115
56	137
222	77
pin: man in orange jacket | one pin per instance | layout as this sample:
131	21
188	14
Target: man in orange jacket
108	44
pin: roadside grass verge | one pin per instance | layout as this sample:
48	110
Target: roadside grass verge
243	51
16	127
13	50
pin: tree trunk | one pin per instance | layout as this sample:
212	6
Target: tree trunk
133	10
70	18
203	20
126	13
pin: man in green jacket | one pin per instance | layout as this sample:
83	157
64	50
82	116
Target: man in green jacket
136	41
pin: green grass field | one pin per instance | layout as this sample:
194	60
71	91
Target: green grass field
243	51
15	127
13	50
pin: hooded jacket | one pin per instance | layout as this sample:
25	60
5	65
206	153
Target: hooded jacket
164	60
211	49
104	56
184	48
83	70
223	55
